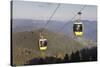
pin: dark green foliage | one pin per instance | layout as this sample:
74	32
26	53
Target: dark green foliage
75	57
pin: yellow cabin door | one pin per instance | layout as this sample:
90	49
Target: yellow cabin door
79	33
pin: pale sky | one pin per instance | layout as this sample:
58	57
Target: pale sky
42	11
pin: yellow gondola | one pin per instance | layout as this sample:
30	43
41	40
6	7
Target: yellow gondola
78	29
78	26
43	44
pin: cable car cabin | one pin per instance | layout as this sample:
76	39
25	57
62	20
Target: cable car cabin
78	29
43	44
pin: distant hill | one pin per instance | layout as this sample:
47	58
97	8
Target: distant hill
90	27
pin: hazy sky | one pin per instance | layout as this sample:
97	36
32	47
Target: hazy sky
42	11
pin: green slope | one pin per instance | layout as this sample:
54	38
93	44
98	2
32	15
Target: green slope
25	45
